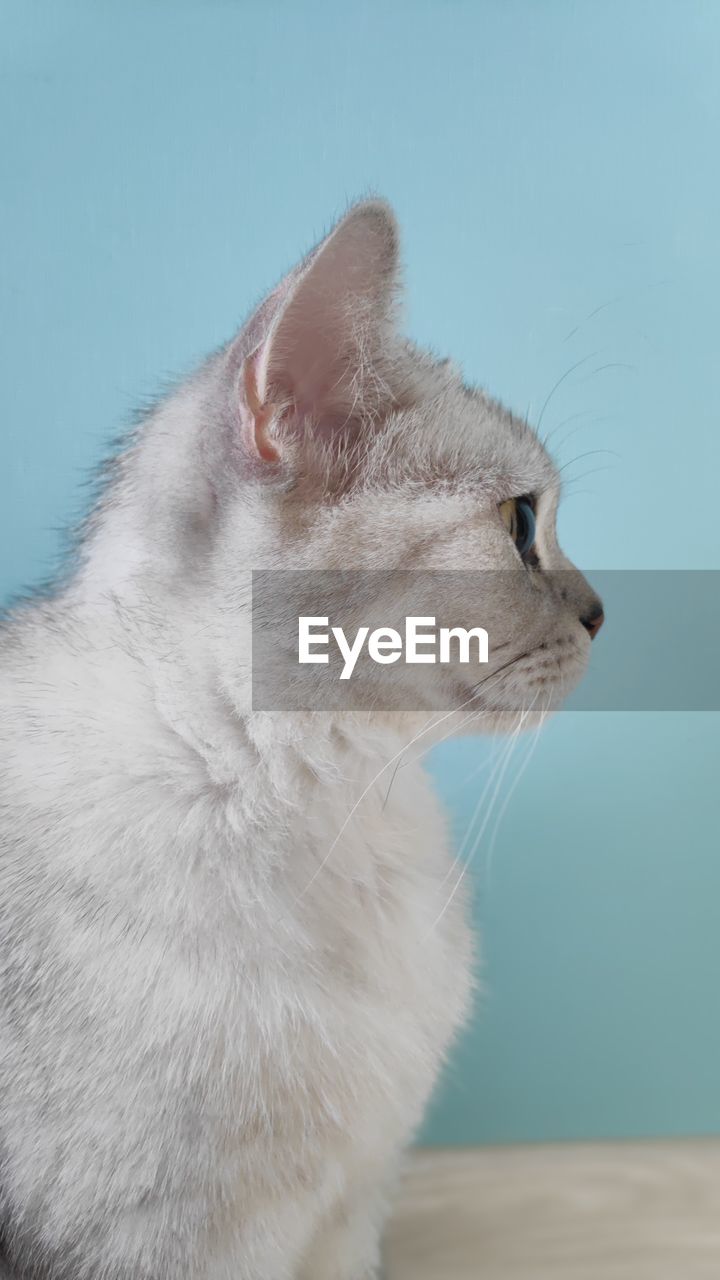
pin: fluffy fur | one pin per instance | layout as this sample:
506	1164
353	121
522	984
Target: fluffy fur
228	981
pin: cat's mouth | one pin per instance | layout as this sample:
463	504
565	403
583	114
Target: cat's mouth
540	677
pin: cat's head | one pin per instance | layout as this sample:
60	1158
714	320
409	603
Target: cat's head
319	438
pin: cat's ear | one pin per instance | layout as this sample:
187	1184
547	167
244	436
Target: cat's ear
322	343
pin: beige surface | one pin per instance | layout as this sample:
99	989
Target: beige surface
625	1211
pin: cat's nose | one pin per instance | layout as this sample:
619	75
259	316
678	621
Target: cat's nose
593	619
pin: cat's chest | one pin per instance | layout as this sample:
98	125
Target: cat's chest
344	965
382	908
342	917
373	873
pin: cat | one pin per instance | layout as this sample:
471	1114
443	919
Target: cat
231	966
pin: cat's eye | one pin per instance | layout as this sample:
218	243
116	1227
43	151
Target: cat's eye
518	516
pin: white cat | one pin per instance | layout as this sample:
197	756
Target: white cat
230	970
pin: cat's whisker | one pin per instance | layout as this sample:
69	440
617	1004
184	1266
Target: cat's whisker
505	763
453	732
492	677
593	471
581	426
578	493
496	765
473	774
611	364
511	791
612	302
568	372
589	453
571	417
399	765
507	756
388	764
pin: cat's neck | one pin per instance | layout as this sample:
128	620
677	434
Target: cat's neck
168	666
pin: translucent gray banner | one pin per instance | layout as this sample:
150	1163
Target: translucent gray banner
402	640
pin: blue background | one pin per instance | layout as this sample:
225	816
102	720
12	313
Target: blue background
555	170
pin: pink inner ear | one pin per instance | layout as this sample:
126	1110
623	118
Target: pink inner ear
258	416
312	354
322	349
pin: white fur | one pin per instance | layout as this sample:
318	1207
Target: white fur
228	982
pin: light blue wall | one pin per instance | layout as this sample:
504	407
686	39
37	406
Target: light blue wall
555	170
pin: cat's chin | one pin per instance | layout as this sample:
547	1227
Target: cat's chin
517	714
